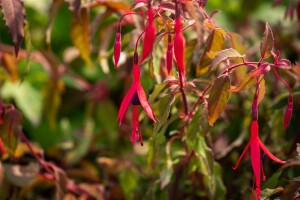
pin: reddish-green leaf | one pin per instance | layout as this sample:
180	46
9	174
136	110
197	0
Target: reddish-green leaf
262	90
14	16
218	98
80	35
267	42
246	83
261	70
291	190
238	43
283	64
223	55
214	44
9	130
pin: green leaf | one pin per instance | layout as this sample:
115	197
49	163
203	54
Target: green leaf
52	100
267	42
206	165
128	180
266	193
28	46
218	98
28	99
163	110
223	55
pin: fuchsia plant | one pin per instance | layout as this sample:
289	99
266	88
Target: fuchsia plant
218	90
136	95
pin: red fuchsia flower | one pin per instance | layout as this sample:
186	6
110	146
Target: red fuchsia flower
179	43
255	145
117	46
169	56
136	95
149	38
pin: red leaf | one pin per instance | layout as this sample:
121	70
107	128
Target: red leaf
261	70
283	64
267	42
14	16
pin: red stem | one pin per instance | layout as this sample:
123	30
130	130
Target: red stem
185	104
287	85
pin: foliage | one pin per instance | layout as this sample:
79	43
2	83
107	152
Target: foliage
203	86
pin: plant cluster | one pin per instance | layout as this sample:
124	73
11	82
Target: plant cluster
193	79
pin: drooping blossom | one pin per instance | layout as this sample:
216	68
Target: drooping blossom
179	43
149	38
255	145
117	46
135	95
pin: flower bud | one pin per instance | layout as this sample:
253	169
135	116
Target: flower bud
179	44
117	48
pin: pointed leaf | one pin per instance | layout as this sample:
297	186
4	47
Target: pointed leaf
80	35
223	55
290	190
262	92
246	83
283	64
14	16
267	42
238	43
261	70
10	130
214	44
218	98
266	193
28	47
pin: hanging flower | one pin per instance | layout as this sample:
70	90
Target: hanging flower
117	46
179	43
136	95
255	144
149	35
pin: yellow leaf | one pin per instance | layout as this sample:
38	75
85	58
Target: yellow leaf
80	35
214	43
218	98
9	62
